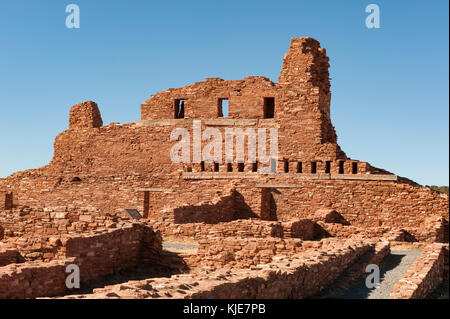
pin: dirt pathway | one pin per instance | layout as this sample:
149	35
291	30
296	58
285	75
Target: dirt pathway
391	270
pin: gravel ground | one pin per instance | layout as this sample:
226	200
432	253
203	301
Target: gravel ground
180	247
391	270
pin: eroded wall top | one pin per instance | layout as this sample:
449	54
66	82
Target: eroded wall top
85	115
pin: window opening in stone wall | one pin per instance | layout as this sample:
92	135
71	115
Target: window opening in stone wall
216	167
313	167
240	167
202	166
223	108
269	107
354	168
341	167
327	167
229	167
179	109
299	167
255	167
286	166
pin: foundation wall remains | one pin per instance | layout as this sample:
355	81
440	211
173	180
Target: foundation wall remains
229	253
423	275
33	279
297	276
97	254
243	228
108	251
277	222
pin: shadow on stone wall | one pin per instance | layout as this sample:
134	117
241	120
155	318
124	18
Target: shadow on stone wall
226	209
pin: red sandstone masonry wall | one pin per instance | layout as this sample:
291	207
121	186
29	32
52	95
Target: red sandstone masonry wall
285	284
220	210
362	203
297	276
302	102
374	256
107	252
85	115
423	275
97	254
35	232
242	252
254	228
107	166
48	221
33	279
202	99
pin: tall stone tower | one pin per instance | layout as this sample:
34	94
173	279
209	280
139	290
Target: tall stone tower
305	102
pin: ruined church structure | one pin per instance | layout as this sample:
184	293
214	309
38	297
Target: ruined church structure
111	197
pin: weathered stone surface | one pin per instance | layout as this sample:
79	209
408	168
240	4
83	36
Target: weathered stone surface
284	234
424	274
84	116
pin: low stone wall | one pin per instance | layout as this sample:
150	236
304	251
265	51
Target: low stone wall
96	254
297	276
33	279
241	252
355	271
386	233
36	232
49	221
432	230
241	228
107	251
423	275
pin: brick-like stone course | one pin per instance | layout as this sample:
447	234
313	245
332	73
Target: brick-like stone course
96	254
242	228
33	279
241	252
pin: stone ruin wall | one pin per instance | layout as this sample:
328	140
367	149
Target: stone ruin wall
313	268
427	271
96	253
361	203
110	167
302	102
99	171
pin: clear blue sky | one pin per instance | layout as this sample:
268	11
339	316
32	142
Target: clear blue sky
390	98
